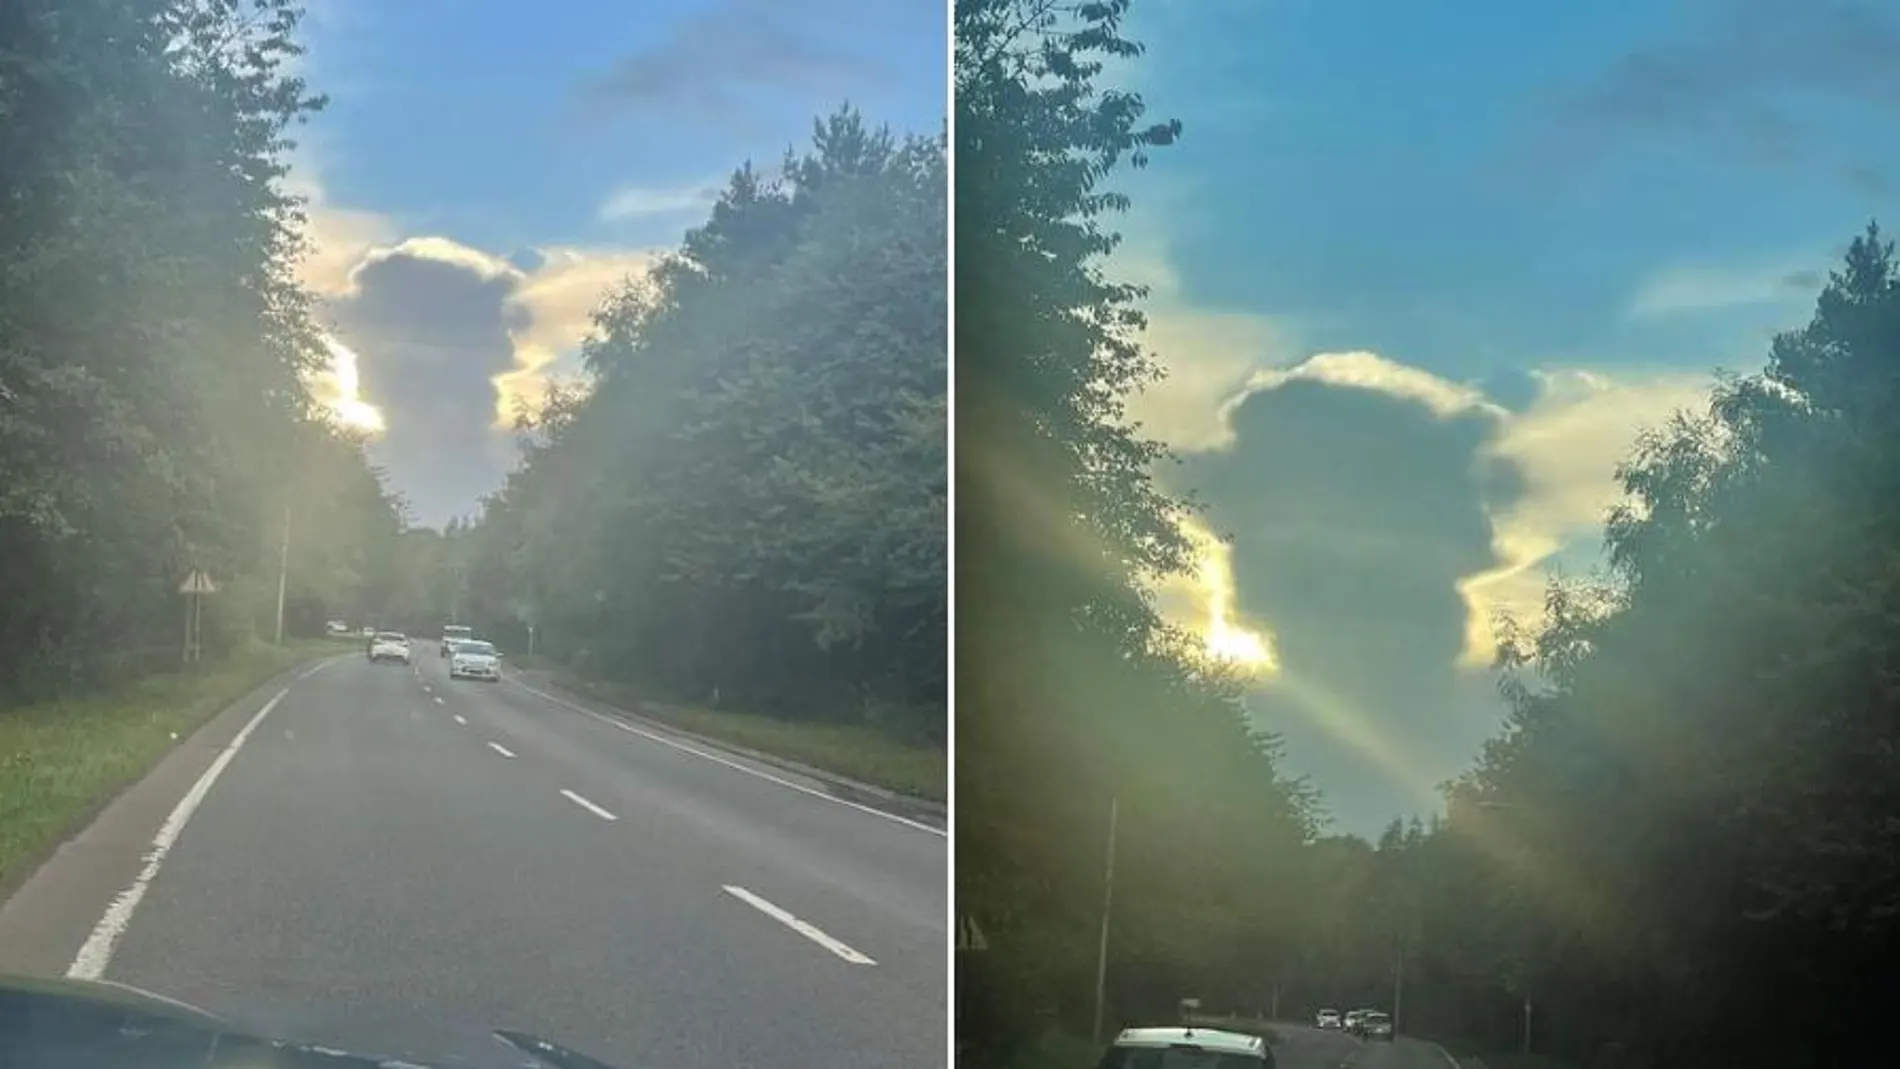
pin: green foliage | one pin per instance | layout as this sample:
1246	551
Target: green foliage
153	341
748	508
1071	690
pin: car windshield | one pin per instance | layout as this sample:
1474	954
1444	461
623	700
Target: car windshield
480	649
390	636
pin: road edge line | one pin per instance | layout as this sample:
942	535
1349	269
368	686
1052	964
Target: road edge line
805	928
96	953
655	736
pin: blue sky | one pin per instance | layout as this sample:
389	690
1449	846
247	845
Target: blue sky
573	138
1541	224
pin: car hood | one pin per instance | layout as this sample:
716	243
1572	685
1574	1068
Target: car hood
79	1024
476	658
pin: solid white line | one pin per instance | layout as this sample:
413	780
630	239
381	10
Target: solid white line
459	720
90	963
500	749
736	766
587	805
809	931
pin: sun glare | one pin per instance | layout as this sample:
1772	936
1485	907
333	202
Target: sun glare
340	390
1227	637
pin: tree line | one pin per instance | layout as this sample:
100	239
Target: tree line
156	348
1077	704
745	506
1679	850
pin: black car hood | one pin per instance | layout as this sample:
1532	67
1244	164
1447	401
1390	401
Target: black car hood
78	1024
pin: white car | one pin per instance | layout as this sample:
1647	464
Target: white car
1329	1019
1375	1025
475	659
389	646
1187	1048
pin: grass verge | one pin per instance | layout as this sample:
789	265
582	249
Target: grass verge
855	751
61	762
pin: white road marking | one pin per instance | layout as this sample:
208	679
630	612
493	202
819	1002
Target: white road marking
90	963
459	720
587	805
500	749
718	760
318	667
438	699
809	931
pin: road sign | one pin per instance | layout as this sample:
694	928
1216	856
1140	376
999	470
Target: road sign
197	583
969	936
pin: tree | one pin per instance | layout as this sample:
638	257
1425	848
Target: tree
748	505
1071	689
154	344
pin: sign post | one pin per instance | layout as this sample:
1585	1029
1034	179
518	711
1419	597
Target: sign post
195	586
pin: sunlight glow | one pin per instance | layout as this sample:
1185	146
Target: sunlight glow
339	389
1227	637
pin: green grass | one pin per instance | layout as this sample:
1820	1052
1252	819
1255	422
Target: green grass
61	762
855	751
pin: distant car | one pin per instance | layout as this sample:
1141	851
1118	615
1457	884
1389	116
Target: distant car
453	633
337	629
475	659
1329	1019
389	646
1376	1025
1186	1048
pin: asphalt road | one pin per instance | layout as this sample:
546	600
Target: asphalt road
394	862
1312	1048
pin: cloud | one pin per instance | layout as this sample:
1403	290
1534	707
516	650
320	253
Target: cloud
714	64
1711	287
1357	502
448	343
639	202
1734	80
1565	445
432	325
1379	517
560	297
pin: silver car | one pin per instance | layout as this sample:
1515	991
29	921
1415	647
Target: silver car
475	659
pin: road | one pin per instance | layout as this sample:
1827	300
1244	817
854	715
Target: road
1310	1048
397	863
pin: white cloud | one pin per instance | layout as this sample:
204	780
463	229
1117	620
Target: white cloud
1712	287
1567	444
561	297
638	202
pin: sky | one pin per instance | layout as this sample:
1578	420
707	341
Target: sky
1421	273
486	172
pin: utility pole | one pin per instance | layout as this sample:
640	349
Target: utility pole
1108	902
283	574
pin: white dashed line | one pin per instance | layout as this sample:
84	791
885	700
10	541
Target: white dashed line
438	699
500	749
809	931
90	963
459	720
736	766
587	805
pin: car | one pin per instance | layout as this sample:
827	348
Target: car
1350	1022
389	646
1329	1019
451	634
1186	1048
1375	1025
475	659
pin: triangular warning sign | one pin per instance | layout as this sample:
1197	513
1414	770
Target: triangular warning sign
969	936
